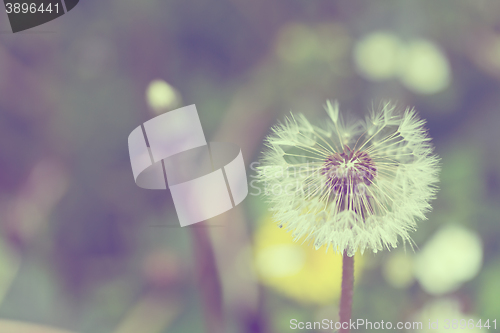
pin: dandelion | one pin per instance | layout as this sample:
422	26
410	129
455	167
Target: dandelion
353	186
350	185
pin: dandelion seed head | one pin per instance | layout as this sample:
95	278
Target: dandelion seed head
345	172
350	186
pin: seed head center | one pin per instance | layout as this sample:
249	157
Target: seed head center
345	172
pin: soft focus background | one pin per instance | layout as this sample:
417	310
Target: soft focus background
83	249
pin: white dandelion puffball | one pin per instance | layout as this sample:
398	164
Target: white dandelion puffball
352	186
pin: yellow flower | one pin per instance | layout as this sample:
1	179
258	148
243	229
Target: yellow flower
296	271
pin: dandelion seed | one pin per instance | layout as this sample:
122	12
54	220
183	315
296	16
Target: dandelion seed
353	186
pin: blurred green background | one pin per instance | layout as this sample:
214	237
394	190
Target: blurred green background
84	249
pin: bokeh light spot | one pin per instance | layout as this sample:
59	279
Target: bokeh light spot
377	55
436	315
420	64
451	257
425	69
161	96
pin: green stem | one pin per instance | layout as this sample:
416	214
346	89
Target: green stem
208	279
347	291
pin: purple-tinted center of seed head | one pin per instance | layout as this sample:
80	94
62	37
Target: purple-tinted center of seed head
347	170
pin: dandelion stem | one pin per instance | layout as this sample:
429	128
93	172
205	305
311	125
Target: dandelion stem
347	291
208	279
